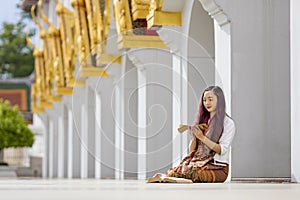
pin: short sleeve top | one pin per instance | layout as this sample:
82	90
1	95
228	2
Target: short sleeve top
226	140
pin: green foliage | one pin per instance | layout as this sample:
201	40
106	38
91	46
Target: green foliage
13	129
15	55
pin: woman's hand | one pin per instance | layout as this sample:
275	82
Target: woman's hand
196	131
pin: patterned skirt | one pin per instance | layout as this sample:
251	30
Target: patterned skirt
206	171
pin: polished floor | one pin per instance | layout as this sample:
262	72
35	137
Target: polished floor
90	189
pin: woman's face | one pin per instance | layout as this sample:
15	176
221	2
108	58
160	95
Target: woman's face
210	101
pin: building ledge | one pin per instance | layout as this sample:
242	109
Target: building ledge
261	180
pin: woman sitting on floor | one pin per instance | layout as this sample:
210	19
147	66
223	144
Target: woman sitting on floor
212	134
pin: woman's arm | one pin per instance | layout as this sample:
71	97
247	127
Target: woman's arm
212	145
193	144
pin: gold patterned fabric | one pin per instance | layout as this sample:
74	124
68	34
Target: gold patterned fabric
199	165
200	172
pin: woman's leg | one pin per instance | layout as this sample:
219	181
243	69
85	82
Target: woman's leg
208	174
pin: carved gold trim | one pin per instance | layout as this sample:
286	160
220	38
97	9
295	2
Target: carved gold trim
55	63
163	18
66	19
33	97
102	57
92	71
52	98
81	32
94	23
41	89
140	9
158	17
44	104
122	16
126	38
64	91
57	57
140	41
76	83
37	110
106	20
108	59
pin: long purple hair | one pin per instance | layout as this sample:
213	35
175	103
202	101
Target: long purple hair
216	124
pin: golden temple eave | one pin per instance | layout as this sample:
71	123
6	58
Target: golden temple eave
140	41
163	18
93	71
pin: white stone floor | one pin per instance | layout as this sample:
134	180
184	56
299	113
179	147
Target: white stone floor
90	189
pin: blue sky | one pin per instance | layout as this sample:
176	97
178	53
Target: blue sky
8	11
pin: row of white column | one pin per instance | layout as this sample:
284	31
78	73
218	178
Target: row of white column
124	126
123	142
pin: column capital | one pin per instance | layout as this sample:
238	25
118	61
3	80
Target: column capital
171	37
215	11
136	61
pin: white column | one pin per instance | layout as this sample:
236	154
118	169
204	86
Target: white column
51	141
130	120
45	171
98	136
106	126
83	141
119	129
184	96
90	127
70	144
175	37
295	88
223	67
185	104
142	123
53	114
177	108
154	111
118	94
60	156
76	113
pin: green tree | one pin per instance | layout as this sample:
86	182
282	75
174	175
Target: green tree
13	129
16	57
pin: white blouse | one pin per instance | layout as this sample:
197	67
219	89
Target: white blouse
226	140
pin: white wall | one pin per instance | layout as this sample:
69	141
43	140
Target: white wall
295	95
260	87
